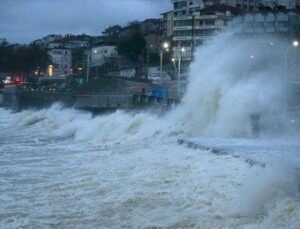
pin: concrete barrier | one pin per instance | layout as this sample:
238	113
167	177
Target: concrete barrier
1	99
104	101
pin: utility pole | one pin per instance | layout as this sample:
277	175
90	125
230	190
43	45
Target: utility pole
88	66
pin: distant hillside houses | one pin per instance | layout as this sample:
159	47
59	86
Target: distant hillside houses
43	42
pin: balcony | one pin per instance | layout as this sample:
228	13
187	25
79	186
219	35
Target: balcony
282	29
201	17
210	27
182	28
270	18
248	30
270	30
282	17
182	17
259	30
182	38
203	37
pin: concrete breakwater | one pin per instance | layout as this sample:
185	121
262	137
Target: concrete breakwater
18	98
222	148
1	97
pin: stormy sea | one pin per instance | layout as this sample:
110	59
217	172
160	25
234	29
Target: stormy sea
65	168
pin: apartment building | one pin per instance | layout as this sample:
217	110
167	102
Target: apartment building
288	4
62	61
200	26
168	22
249	5
268	23
246	5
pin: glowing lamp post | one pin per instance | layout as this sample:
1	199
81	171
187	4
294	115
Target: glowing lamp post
50	70
165	46
96	51
295	44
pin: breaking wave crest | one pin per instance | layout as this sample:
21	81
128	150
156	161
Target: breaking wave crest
230	80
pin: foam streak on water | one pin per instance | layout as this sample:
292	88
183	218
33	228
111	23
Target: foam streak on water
64	168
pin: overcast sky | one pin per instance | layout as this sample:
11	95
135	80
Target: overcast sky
22	21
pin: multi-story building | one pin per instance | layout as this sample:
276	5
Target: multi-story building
202	25
61	59
183	8
193	22
288	4
249	5
168	21
270	23
183	25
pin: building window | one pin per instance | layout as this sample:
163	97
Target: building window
186	43
269	24
182	4
206	32
57	52
209	22
183	23
259	24
183	33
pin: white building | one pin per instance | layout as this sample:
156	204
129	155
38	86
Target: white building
259	24
249	5
61	62
168	22
183	8
289	4
193	30
100	54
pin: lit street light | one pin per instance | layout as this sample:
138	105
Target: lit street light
165	46
174	64
295	44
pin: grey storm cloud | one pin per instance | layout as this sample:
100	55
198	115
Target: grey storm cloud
23	21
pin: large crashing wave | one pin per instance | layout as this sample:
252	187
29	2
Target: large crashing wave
229	80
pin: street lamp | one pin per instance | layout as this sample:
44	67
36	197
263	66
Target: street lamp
295	44
182	50
166	47
174	64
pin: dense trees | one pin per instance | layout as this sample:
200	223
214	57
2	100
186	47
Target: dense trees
133	47
22	58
